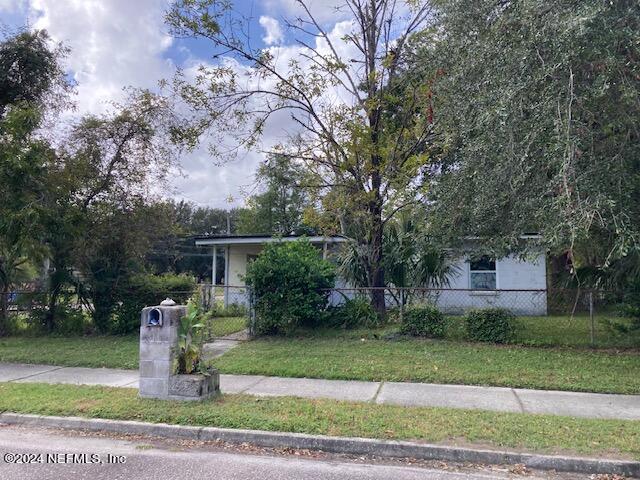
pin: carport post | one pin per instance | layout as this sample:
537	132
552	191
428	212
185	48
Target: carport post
214	274
593	340
226	276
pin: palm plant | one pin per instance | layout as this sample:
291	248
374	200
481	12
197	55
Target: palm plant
352	263
188	332
410	258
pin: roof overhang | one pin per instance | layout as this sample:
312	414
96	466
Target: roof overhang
261	240
530	236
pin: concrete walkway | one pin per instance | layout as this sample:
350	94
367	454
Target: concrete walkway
574	404
218	347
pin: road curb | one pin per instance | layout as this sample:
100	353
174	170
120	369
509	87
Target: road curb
348	445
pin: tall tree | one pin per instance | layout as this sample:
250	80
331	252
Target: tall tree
279	208
112	249
339	89
537	108
31	72
111	174
22	190
32	83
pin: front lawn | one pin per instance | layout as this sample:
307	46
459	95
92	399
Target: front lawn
350	357
366	355
560	331
111	351
541	433
94	351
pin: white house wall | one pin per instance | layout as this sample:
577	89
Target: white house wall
238	262
512	273
529	277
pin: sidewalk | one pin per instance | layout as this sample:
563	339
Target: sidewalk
574	404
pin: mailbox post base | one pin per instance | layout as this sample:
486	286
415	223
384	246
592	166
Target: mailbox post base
194	387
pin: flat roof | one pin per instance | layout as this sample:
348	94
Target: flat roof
260	239
526	236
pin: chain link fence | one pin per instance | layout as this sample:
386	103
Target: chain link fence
450	301
226	308
228	311
554	317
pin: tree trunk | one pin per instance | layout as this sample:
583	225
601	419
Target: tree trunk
53	281
52	307
376	271
103	306
4	309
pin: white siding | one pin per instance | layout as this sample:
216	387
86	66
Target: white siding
512	273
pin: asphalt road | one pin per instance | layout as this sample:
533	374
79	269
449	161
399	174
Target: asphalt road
57	455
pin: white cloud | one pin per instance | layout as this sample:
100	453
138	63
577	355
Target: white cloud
210	184
272	30
117	43
11	6
114	44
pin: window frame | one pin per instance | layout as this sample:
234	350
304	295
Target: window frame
494	271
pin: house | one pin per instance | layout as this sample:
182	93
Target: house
509	282
231	254
518	284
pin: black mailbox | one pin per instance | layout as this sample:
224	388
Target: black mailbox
154	318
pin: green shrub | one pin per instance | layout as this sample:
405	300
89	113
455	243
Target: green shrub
73	321
70	318
496	325
353	313
423	321
290	282
20	324
393	315
629	309
144	290
189	352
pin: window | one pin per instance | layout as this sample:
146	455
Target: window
482	274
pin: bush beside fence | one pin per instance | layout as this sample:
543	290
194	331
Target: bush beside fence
569	318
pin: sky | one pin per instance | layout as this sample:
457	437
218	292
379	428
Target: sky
119	43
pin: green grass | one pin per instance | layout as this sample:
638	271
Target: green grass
350	357
559	330
366	355
540	433
94	351
90	351
221	326
575	331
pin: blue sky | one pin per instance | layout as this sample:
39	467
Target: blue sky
120	43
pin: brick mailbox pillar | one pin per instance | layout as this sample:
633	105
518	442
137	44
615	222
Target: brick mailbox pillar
158	346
